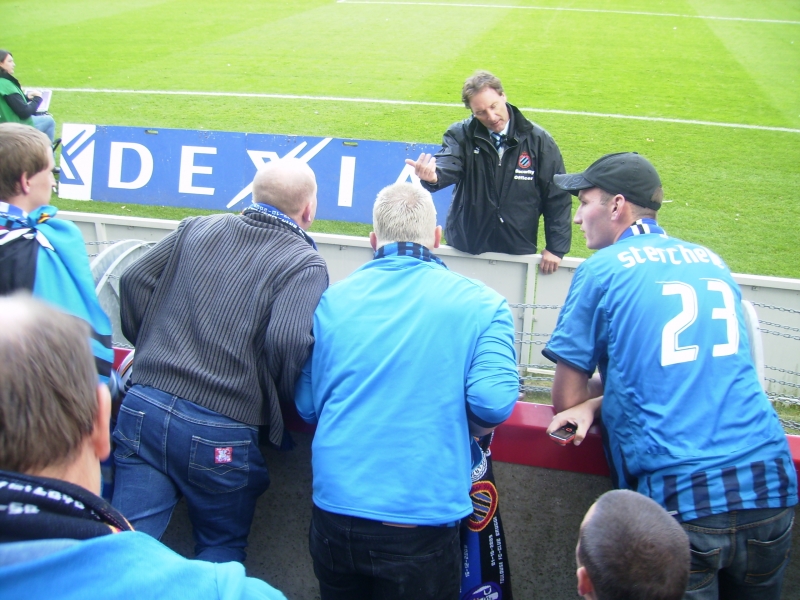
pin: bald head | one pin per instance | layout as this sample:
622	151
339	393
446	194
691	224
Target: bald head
48	385
290	186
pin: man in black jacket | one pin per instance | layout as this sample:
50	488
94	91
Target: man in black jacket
502	166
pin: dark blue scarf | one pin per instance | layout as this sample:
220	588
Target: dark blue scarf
642	227
408	249
266	209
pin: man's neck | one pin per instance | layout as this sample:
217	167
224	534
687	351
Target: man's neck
641	226
14	207
82	470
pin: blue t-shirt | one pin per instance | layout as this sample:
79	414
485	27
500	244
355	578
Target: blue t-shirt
685	419
405	352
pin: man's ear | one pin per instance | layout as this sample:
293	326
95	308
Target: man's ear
619	204
101	433
24	184
373	240
585	586
437	237
307	216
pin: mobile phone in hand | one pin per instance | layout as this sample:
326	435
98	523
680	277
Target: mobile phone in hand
565	434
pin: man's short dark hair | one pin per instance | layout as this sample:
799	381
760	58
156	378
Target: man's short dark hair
637	212
632	548
476	83
23	149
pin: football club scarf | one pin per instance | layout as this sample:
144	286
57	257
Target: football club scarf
642	227
408	249
485	569
62	275
266	209
40	508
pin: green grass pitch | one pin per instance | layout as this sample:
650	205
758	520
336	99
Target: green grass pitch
733	189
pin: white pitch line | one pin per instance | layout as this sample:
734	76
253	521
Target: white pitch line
555	8
422	103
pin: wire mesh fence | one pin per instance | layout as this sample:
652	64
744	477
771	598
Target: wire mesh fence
537	379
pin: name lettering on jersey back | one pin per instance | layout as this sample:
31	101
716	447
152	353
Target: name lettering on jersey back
676	255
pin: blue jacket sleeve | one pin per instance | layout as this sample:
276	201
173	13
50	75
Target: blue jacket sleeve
303	395
493	379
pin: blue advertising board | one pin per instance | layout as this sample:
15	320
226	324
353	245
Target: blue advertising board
214	169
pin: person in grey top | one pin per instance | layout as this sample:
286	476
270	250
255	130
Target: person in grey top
220	312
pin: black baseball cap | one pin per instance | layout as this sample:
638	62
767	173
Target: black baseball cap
626	173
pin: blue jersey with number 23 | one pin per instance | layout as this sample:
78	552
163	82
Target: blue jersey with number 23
685	419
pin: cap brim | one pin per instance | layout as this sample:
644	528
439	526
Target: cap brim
572	182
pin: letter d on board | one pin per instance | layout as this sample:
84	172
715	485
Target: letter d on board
115	166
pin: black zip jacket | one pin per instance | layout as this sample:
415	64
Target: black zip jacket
497	202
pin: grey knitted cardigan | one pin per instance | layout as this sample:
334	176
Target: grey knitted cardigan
221	312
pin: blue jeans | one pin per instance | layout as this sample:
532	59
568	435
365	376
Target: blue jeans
167	447
359	559
46	124
739	555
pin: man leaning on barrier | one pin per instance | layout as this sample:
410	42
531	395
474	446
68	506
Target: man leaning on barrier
409	359
58	538
686	420
220	312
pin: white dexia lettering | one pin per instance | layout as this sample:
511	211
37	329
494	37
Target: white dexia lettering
188	169
115	166
347	178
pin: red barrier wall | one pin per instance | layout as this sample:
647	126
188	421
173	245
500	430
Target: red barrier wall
522	439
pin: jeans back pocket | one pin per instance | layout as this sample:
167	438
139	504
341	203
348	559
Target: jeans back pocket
219	467
128	432
766	558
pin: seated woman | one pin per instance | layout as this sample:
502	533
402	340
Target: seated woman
16	106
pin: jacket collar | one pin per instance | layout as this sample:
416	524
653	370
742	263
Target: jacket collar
6	75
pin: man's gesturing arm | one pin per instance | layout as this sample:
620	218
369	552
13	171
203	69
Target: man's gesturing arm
447	166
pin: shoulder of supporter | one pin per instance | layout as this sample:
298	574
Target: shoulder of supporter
7	87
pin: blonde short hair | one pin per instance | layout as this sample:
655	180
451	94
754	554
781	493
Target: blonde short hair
404	212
